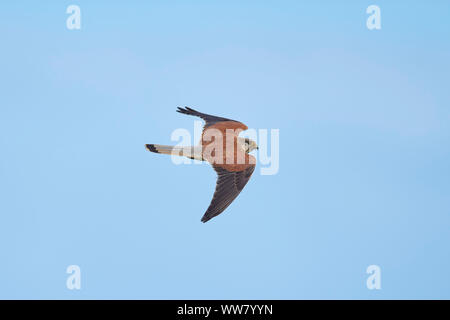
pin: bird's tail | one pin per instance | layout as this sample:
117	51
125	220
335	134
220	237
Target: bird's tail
190	152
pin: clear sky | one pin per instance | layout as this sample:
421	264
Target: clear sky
364	176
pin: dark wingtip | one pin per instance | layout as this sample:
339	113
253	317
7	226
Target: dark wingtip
204	219
187	110
151	147
182	110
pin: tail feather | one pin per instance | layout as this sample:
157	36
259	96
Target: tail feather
151	147
157	148
190	152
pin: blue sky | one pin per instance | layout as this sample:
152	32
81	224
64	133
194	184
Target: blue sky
364	149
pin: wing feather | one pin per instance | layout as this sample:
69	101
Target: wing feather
209	119
229	185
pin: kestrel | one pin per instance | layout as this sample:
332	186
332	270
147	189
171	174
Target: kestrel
228	154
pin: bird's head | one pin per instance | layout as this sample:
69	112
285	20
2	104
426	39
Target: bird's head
250	145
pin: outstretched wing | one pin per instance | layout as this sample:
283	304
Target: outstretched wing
209	119
229	185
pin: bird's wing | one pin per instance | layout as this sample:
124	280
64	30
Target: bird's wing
229	185
209	119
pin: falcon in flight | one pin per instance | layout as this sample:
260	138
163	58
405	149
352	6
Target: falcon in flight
228	154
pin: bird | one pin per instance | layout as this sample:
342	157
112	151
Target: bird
228	154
